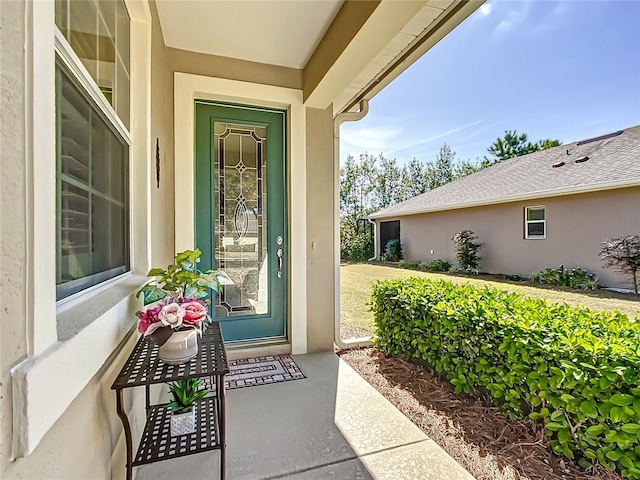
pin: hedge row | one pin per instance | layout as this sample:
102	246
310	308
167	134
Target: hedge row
575	370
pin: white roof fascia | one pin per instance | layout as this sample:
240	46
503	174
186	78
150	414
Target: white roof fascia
517	198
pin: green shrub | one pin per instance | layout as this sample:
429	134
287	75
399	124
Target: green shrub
514	277
574	278
574	370
408	265
432	266
356	247
392	251
468	250
438	266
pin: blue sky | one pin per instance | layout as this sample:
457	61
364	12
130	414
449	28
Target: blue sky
553	69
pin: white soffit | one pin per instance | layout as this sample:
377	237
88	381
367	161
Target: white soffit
276	32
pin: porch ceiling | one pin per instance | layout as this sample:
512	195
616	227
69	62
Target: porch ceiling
346	51
275	32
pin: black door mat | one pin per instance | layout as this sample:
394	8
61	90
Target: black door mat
249	372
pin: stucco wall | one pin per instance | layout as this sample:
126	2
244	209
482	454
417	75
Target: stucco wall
13	202
320	231
162	196
86	442
234	69
576	226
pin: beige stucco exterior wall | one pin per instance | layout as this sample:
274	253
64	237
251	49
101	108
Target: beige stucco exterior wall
576	226
13	335
162	196
320	231
234	69
86	441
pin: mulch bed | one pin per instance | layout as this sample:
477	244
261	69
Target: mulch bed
477	435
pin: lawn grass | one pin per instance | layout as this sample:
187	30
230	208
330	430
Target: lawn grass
356	280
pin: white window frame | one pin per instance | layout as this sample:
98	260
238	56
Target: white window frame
65	53
527	222
68	57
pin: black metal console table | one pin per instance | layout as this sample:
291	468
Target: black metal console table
143	367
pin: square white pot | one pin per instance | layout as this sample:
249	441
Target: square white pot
183	423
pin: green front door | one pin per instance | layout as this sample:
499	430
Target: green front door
241	215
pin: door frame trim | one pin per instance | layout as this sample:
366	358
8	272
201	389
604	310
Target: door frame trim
187	89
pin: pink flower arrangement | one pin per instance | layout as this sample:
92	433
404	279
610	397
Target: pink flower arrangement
172	313
179	294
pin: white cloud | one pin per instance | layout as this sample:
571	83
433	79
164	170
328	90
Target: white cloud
517	12
553	16
434	137
485	9
371	139
475	133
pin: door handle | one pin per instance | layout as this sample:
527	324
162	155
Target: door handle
279	253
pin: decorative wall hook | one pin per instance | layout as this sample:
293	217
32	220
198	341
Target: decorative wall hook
158	162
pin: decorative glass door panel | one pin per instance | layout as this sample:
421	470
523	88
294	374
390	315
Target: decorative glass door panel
241	215
240	171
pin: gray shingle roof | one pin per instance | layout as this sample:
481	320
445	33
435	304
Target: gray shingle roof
613	162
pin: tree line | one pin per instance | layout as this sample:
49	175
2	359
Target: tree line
373	182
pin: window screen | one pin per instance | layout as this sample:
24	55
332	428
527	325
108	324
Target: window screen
92	184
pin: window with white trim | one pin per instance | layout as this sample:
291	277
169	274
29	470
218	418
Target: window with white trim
535	226
92	143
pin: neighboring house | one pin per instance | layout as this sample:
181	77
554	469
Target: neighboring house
133	129
539	210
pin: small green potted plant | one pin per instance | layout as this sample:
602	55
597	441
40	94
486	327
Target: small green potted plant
185	394
181	307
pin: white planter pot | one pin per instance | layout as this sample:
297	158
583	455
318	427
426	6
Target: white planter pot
181	347
183	423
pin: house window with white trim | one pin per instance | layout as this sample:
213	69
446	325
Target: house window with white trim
92	143
535	226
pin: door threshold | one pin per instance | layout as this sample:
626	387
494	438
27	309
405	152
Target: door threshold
257	348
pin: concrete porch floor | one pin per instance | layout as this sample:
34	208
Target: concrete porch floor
331	425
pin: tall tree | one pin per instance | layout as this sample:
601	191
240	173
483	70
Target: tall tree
348	185
357	184
414	178
389	188
548	143
440	172
514	145
462	168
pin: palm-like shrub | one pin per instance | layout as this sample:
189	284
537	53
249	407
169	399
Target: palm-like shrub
623	253
468	250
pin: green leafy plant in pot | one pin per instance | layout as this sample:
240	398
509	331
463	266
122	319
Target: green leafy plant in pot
186	394
180	312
